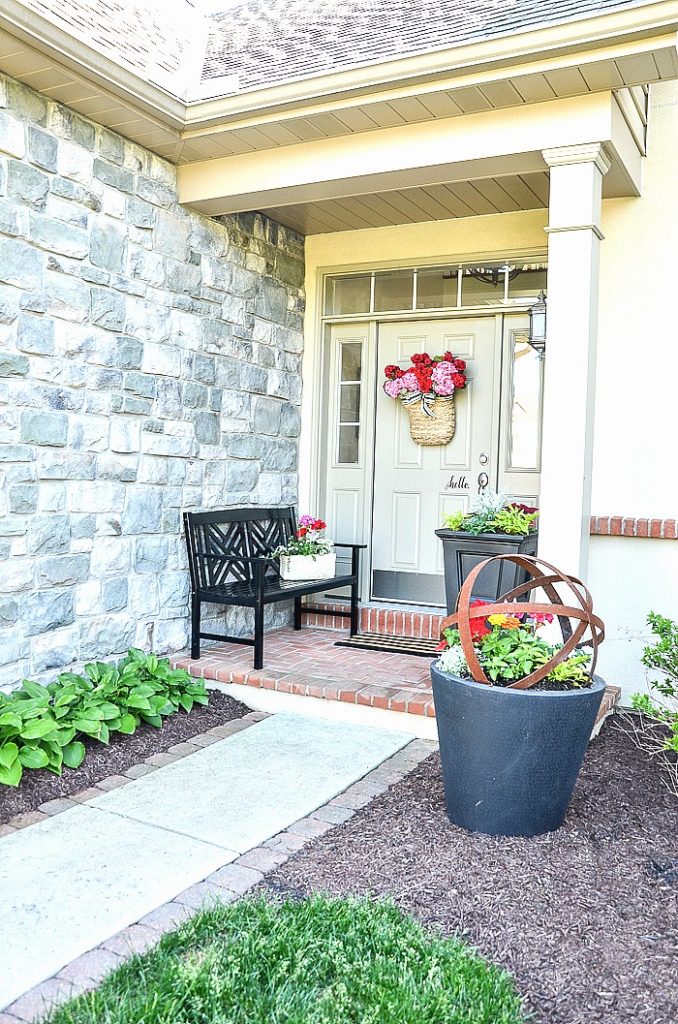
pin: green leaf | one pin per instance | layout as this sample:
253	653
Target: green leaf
104	733
134	701
11	776
74	754
36	690
8	718
8	754
65	735
37	729
33	757
154	720
128	725
87	725
186	702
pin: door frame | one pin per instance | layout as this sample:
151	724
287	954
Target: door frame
322	405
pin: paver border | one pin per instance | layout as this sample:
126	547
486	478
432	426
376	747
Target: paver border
224	885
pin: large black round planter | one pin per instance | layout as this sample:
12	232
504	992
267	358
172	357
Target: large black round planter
463	551
510	758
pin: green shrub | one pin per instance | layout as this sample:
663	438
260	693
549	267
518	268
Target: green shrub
43	726
659	707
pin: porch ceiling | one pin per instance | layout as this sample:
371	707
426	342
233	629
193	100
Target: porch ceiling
483	163
416	205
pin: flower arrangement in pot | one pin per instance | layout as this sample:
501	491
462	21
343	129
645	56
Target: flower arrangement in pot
426	390
307	555
515	706
495	525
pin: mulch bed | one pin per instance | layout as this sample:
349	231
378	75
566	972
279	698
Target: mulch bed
121	753
585	918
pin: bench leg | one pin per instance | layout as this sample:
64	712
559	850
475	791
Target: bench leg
195	626
297	613
355	591
259	636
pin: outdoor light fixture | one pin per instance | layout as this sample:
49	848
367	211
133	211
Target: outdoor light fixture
537	334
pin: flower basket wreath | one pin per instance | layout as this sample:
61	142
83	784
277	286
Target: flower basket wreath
426	390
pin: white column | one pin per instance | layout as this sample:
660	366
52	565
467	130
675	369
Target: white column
574	238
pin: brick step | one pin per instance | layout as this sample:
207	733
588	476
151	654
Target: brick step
393	621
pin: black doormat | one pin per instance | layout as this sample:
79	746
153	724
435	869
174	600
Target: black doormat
421	647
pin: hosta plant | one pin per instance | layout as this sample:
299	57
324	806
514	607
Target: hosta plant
494	513
509	647
44	726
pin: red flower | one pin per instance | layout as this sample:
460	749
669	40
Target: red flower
459	380
392	371
424	378
301	532
442	645
320	524
448	357
422	359
479	627
459	364
527	509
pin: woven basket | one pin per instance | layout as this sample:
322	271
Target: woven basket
436	429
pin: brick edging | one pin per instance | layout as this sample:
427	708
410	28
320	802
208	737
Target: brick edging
630	526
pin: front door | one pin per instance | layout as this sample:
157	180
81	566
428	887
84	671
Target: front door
415	487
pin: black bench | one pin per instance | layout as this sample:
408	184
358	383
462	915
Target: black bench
230	562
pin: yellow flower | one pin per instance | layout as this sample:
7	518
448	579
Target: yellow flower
505	621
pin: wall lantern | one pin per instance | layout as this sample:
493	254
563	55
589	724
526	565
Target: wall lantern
537	333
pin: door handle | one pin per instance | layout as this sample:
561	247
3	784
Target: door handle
483	481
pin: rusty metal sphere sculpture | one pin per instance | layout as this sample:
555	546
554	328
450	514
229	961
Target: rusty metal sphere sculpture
588	629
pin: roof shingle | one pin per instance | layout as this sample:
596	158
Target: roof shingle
268	42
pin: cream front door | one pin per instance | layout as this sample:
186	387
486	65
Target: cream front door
415	487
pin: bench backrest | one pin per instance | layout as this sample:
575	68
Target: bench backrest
218	542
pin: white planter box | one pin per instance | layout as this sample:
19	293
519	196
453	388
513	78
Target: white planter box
308	567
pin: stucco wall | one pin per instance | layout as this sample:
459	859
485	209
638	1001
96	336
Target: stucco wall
149	363
637	368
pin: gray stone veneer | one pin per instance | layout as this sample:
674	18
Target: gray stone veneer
149	362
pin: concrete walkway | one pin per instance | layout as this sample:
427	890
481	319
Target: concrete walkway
69	883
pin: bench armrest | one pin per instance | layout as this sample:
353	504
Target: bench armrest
338	545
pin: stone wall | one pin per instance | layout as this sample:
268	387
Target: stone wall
149	362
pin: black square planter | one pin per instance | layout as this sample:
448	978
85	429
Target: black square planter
462	551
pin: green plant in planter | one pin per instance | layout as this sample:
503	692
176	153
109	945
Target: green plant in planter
494	513
43	726
658	732
509	648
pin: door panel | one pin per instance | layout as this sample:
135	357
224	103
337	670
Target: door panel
416	486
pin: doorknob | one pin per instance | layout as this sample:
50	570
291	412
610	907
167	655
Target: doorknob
483	459
483	481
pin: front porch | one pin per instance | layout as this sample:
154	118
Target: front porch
308	665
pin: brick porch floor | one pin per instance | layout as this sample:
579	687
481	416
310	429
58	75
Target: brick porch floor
308	664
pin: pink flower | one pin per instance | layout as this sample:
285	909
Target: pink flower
409	381
443	383
394	387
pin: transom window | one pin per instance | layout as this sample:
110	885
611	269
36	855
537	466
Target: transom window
424	288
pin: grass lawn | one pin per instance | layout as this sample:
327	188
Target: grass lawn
318	961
